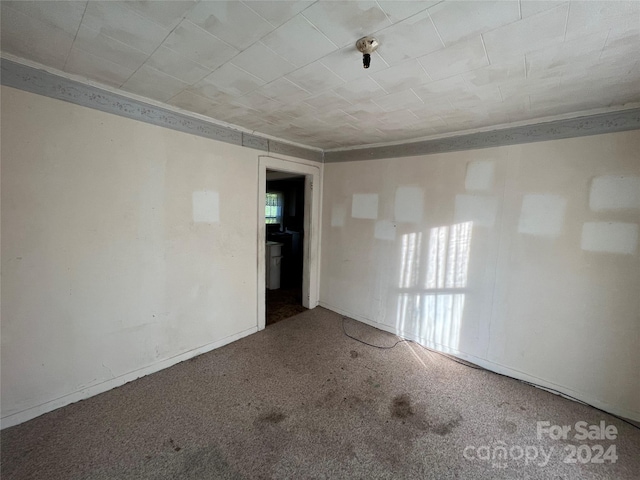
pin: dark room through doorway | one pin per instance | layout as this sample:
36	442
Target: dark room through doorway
284	217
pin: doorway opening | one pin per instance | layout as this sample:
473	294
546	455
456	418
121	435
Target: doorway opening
288	238
284	221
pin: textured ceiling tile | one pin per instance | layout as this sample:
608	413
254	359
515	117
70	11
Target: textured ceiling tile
435	90
430	118
359	90
287	42
518	90
167	13
622	44
327	100
116	21
210	91
96	68
346	22
478	97
599	15
531	7
258	101
400	100
94	42
458	20
398	10
263	62
284	91
298	110
176	65
191	102
154	84
30	38
411	38
200	46
315	78
277	12
234	81
347	63
563	55
460	57
497	73
231	21
364	111
63	15
396	119
432	109
532	33
402	76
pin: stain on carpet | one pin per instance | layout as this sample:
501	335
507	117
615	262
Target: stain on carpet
401	406
354	354
272	417
445	428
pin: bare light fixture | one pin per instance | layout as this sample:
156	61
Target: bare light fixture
367	45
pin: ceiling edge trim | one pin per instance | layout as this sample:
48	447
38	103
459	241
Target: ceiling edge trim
42	82
619	121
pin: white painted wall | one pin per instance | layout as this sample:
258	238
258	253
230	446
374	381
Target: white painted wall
126	248
543	285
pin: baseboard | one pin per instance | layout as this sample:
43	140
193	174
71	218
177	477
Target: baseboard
33	412
495	367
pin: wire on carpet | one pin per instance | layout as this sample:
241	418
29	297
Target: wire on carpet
478	367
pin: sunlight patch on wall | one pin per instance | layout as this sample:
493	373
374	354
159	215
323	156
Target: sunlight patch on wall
432	293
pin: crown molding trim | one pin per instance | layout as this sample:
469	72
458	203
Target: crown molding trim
42	82
618	121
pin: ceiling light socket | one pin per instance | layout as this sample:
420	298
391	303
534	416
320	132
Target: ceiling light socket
367	45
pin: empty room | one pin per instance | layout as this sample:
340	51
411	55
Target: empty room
332	239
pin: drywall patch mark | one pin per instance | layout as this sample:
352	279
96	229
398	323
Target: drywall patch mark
542	215
479	209
385	230
614	192
206	207
409	204
610	237
338	215
479	176
364	205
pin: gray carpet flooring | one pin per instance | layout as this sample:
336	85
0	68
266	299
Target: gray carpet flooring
301	400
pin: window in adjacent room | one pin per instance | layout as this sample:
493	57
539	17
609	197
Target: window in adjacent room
273	208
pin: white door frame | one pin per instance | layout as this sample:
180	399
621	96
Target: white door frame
311	240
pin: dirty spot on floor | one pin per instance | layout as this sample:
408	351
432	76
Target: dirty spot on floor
272	417
354	354
445	428
401	406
